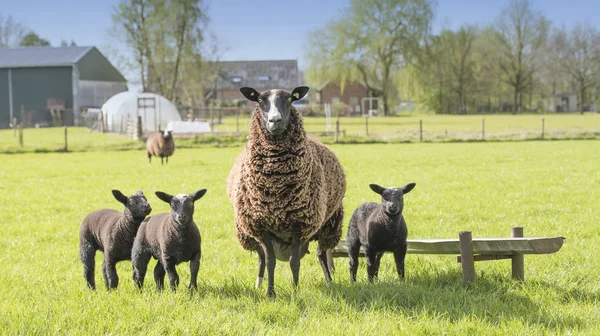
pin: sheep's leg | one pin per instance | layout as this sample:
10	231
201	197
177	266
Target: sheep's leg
295	258
172	273
194	267
161	160
378	260
353	252
139	260
267	245
109	269
87	254
149	157
399	256
371	257
322	255
159	275
167	160
261	267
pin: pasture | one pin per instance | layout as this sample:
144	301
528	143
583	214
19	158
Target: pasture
551	188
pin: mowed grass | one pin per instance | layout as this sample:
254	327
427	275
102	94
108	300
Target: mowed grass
452	126
549	188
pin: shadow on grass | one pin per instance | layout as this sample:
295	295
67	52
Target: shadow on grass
495	299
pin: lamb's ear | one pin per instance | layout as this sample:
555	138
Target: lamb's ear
119	196
407	188
250	93
377	188
164	196
198	194
299	92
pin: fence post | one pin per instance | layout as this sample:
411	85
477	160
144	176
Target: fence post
542	128
237	119
21	133
66	147
421	130
367	124
15	126
518	262
337	130
482	129
466	255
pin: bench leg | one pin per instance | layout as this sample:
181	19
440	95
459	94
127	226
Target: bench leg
518	262
466	254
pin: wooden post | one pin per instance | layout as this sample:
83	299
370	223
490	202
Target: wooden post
237	119
21	133
367	124
66	147
421	130
518	262
466	255
139	132
337	130
542	128
482	129
330	262
15	126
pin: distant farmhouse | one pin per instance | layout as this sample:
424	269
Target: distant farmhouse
353	94
39	82
260	75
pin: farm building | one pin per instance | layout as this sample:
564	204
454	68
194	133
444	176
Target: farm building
261	75
352	95
46	85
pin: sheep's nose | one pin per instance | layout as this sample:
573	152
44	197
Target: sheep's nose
275	119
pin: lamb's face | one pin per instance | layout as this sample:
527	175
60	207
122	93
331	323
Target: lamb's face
167	134
275	106
392	199
182	205
137	203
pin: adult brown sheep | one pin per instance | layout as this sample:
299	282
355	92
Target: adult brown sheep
286	189
160	144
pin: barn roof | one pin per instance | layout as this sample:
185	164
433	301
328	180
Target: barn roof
261	75
26	57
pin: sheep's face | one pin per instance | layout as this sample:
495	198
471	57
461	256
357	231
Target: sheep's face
167	134
392	198
275	106
136	204
182	205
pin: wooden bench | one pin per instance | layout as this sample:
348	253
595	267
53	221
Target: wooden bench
478	249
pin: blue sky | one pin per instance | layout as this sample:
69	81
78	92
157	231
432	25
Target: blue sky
254	29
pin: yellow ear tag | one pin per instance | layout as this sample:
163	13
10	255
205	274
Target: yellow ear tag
297	95
290	99
259	100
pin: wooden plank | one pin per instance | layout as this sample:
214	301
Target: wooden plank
484	246
484	257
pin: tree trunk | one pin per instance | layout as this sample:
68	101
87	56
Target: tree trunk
515	100
582	100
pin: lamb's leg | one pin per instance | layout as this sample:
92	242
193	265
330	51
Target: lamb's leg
139	260
159	275
172	273
149	157
378	260
167	160
322	255
161	160
267	246
87	253
109	269
399	256
261	267
353	247
371	257
295	258
194	267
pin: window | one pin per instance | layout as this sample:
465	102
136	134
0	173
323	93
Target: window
353	101
335	100
263	78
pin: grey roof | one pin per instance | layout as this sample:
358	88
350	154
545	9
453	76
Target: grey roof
25	57
261	75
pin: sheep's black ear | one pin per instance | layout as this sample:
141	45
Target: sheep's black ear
377	188
119	196
250	93
407	188
164	196
198	194
299	92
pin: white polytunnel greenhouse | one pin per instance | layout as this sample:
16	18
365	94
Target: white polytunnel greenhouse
124	107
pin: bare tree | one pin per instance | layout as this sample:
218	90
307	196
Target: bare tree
11	32
521	34
577	54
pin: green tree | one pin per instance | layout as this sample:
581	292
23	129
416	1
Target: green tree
32	40
373	40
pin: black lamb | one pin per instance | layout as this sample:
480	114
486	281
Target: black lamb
111	232
379	228
171	238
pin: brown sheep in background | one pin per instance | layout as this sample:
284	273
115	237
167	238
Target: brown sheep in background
160	144
286	189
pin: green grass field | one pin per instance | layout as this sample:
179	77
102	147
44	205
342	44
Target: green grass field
550	188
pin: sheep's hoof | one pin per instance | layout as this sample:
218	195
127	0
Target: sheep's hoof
258	283
271	293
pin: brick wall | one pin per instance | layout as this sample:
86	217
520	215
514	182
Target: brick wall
354	92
